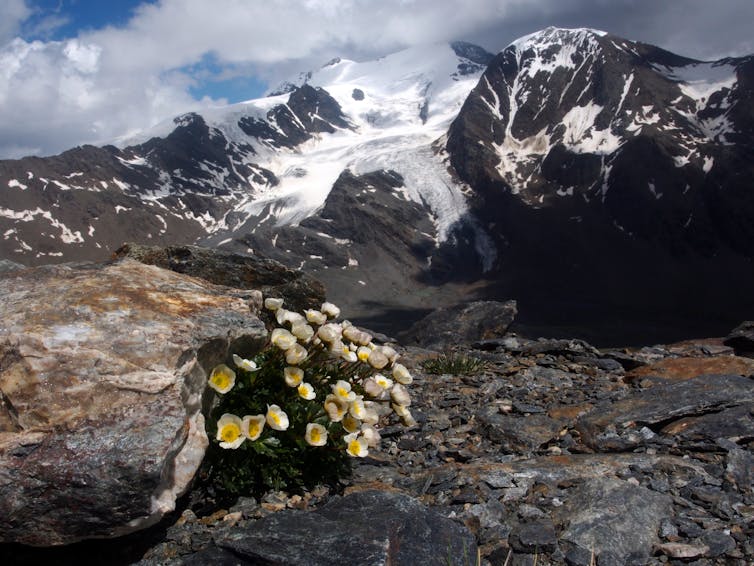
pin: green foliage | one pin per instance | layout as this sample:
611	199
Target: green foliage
454	364
275	460
295	414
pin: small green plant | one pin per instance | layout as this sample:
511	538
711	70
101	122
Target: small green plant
296	413
454	364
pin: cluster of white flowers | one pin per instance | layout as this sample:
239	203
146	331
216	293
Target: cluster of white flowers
333	364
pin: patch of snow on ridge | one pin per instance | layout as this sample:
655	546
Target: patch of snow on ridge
582	137
67	236
700	80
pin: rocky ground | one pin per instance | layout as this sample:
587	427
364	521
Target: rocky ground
558	453
553	453
544	451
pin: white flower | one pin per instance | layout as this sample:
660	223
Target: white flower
337	348
329	332
350	332
222	379
315	317
273	304
280	315
357	409
294	318
371	388
399	395
370	417
358	336
356	445
363	353
350	423
283	339
349	356
402	375
302	331
252	426
405	414
400	410
342	390
330	310
408	419
364	338
377	359
336	408
371	435
306	391
316	435
276	418
390	353
229	431
384	382
295	354
248	365
293	376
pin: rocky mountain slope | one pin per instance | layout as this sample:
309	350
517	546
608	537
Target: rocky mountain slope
334	174
613	176
600	182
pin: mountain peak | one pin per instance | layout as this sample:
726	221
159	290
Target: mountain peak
558	36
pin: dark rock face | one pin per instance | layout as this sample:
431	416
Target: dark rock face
741	339
617	190
372	247
462	324
370	527
231	270
474	58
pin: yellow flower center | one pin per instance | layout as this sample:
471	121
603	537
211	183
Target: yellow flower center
354	447
275	418
315	435
230	432
221	379
253	428
342	392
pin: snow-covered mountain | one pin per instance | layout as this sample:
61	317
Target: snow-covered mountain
614	172
573	170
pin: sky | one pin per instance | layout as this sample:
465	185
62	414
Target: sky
95	71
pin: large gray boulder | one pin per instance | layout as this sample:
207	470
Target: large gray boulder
301	291
103	373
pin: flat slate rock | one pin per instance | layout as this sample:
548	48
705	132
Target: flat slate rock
614	518
661	404
369	527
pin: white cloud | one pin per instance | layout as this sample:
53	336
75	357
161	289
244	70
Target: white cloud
12	14
113	81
